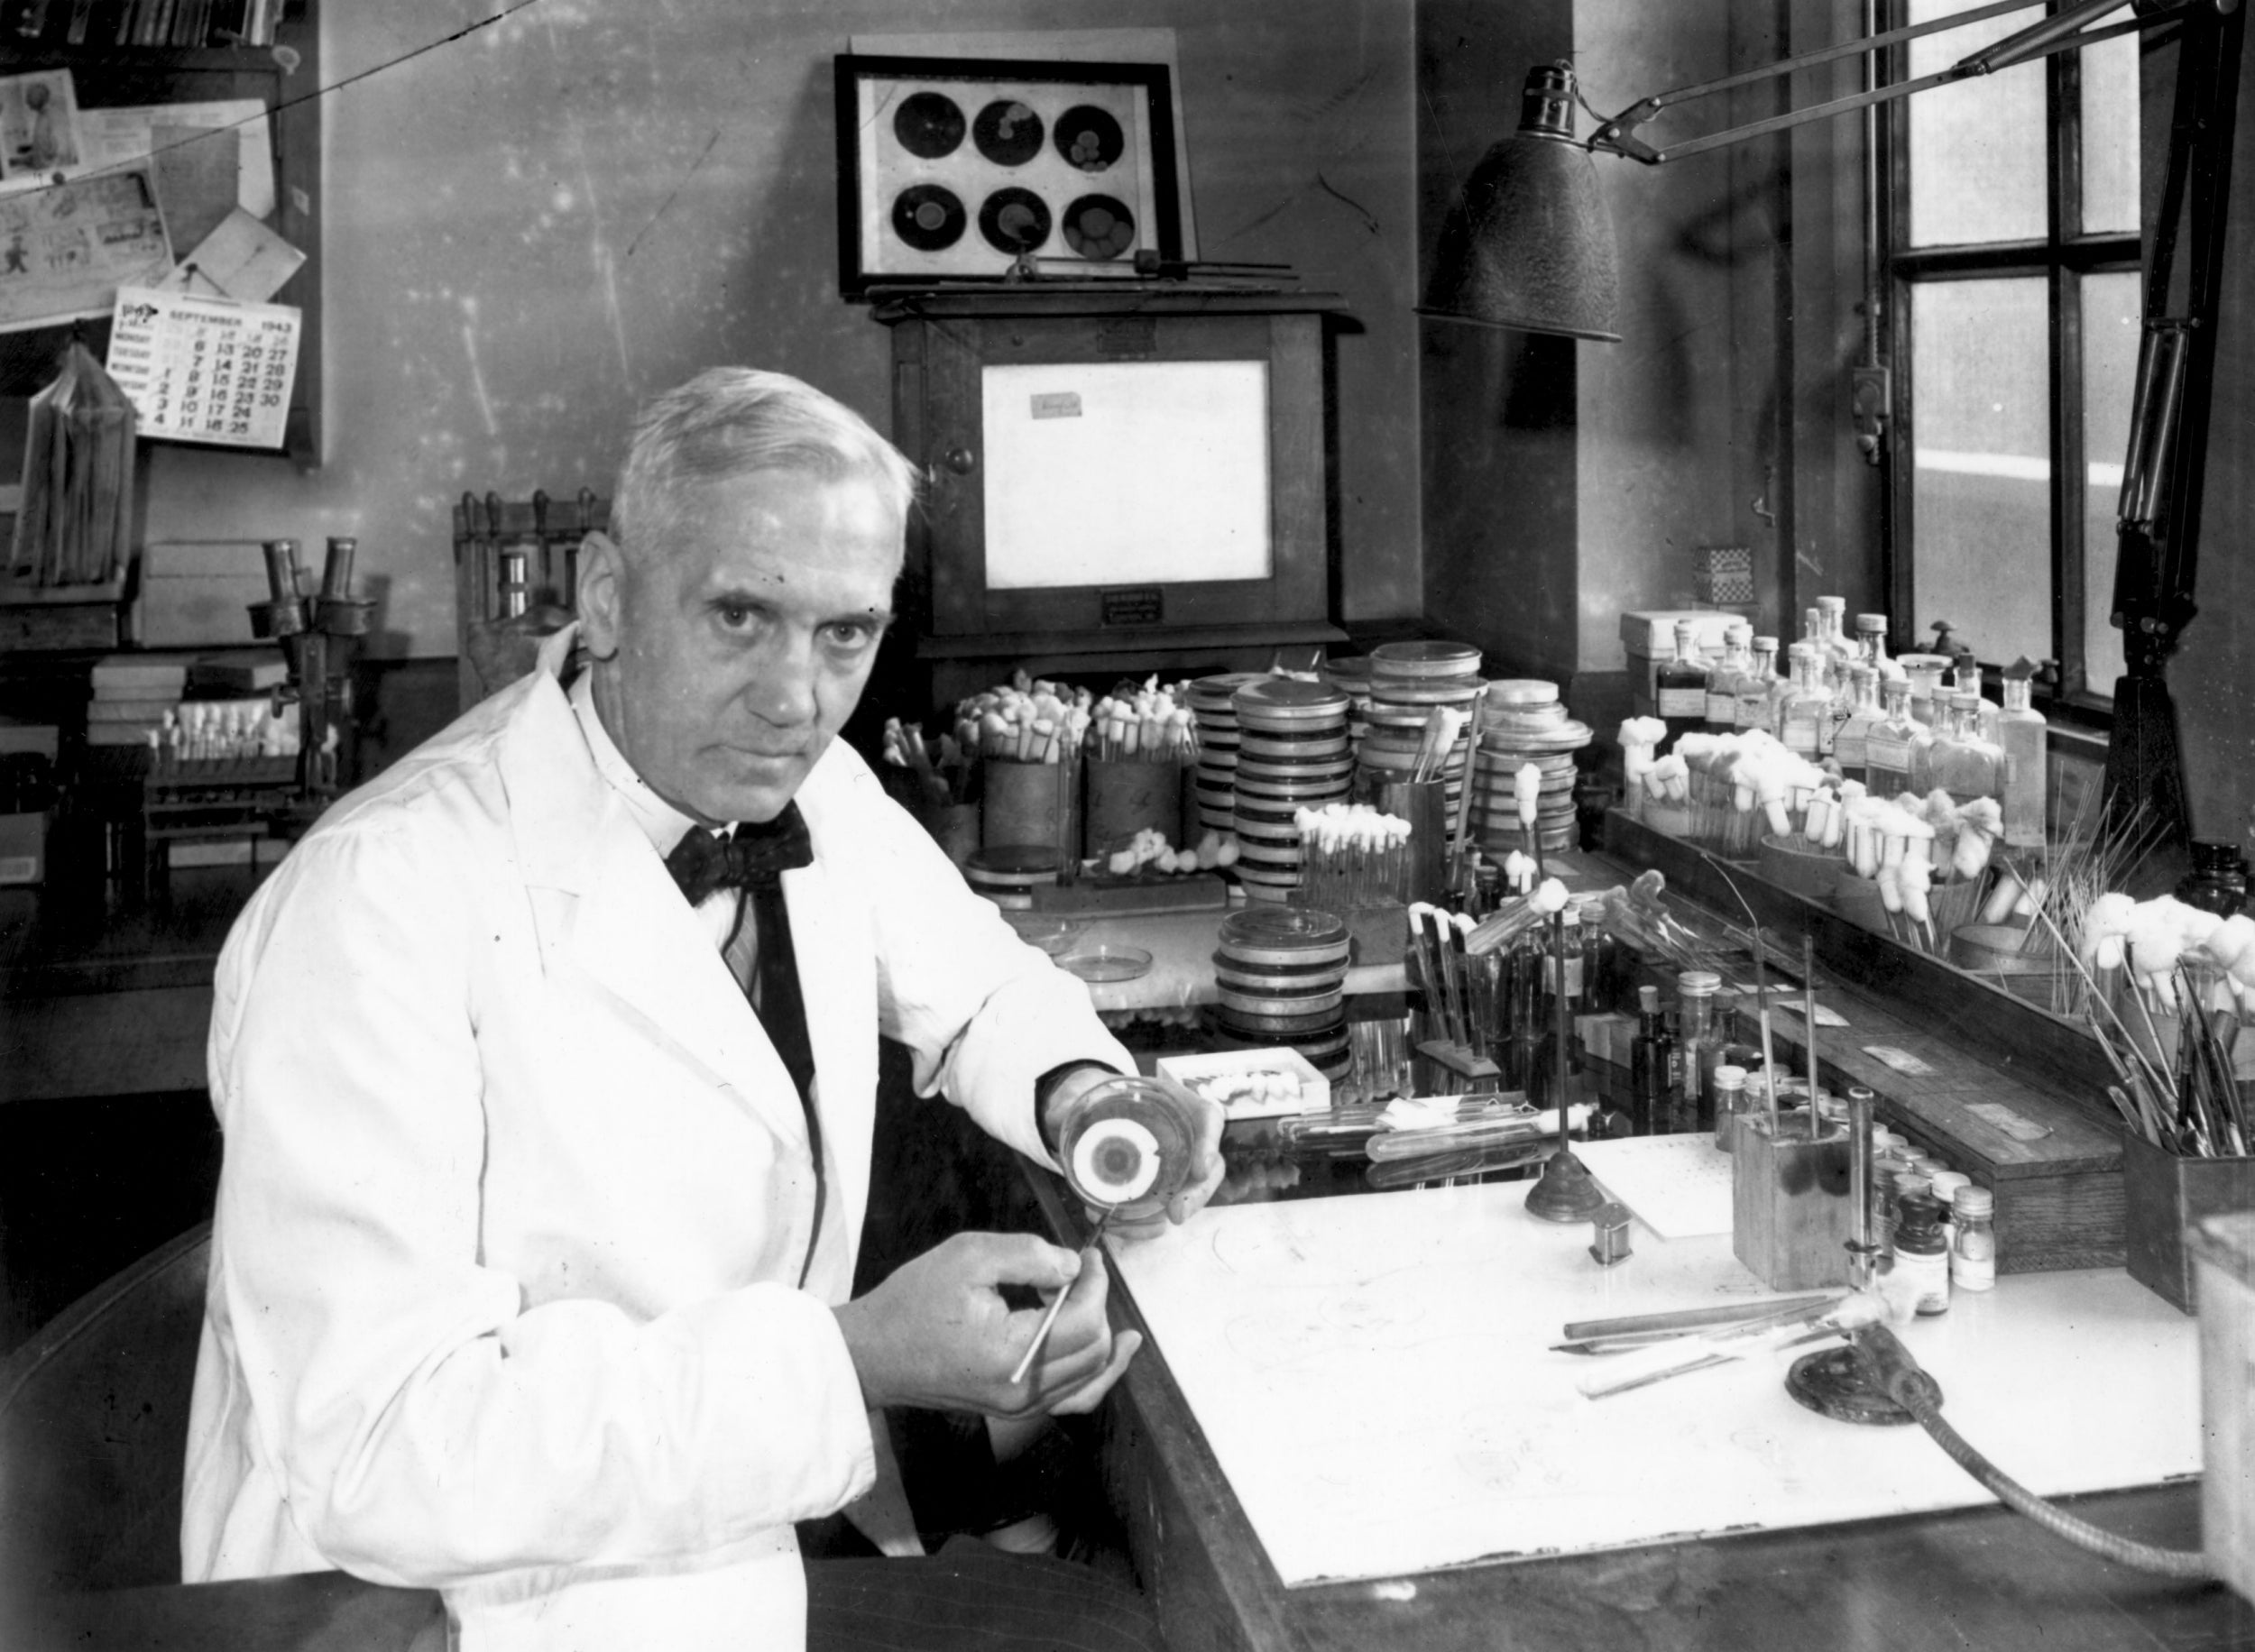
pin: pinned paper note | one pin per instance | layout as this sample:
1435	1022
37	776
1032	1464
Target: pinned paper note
241	259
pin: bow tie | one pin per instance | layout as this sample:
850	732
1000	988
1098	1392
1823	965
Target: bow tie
759	852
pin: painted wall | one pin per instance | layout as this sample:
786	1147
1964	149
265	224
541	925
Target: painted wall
1566	481
531	226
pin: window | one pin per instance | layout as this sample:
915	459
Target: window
2012	230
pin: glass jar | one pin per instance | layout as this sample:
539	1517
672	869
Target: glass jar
1973	1255
2218	880
1918	1283
1127	1144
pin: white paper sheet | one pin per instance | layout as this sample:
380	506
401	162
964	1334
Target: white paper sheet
1374	1375
1678	1185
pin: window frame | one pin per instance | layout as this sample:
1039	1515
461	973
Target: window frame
2061	259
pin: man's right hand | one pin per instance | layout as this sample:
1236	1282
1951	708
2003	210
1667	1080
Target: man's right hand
937	1332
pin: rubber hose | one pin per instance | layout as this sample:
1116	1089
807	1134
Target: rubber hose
2170	1563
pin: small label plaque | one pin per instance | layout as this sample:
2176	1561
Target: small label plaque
1134	605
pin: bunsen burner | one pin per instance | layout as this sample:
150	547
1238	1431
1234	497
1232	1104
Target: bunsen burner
1293	755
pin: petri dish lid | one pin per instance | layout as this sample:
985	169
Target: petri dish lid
1522	692
1017	860
1106	961
1427	658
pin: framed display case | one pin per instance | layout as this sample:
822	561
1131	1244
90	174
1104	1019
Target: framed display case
1136	476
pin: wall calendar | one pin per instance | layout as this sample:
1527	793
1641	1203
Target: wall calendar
205	368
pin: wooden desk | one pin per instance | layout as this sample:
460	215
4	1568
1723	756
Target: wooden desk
1984	1578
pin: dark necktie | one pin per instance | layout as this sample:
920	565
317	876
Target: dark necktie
754	860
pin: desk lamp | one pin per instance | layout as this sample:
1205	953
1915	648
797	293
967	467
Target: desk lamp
1527	245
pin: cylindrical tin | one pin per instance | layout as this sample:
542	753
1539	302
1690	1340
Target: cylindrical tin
1126	797
1030	804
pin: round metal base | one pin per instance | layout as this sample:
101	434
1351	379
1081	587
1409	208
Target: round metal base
1565	1191
1835	1384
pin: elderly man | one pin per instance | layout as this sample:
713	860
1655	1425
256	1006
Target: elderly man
544	1168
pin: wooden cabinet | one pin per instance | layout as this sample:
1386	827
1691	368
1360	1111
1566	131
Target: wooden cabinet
286	78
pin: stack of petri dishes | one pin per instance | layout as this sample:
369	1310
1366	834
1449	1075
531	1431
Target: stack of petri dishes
1292	754
1408	681
1279	977
1008	874
1211	699
1351	677
1523	721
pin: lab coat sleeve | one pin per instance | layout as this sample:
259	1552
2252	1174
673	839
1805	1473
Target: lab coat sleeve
984	1014
429	1429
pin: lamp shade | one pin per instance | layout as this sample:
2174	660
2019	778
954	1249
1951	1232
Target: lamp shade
1527	243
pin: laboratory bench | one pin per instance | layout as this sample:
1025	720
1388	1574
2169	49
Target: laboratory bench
1947	1578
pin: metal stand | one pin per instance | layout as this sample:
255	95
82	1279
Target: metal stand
1565	1191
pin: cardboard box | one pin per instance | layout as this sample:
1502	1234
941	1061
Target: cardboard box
1652	631
197	592
1211	1076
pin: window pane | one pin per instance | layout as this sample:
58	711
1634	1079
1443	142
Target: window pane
1981	501
1977	147
2112	323
2110	135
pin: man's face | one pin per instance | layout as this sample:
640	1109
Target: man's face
741	644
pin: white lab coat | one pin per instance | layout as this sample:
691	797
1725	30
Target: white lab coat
502	1295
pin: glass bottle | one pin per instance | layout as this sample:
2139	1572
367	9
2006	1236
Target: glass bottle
1959	761
1804	721
1850	742
1723	681
1679	687
1985	711
1839	649
1925	672
1972	1259
1730	1103
1871	634
1691	1103
2022	732
1921	1270
1755	688
1648	1066
1887	743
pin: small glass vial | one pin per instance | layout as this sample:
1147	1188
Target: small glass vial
1946	1184
1886	1168
1920	1280
1730	1102
1692	1107
1648	1066
1972	1252
1680	686
2023	733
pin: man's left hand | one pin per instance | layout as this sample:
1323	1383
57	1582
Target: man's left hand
1205	1168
